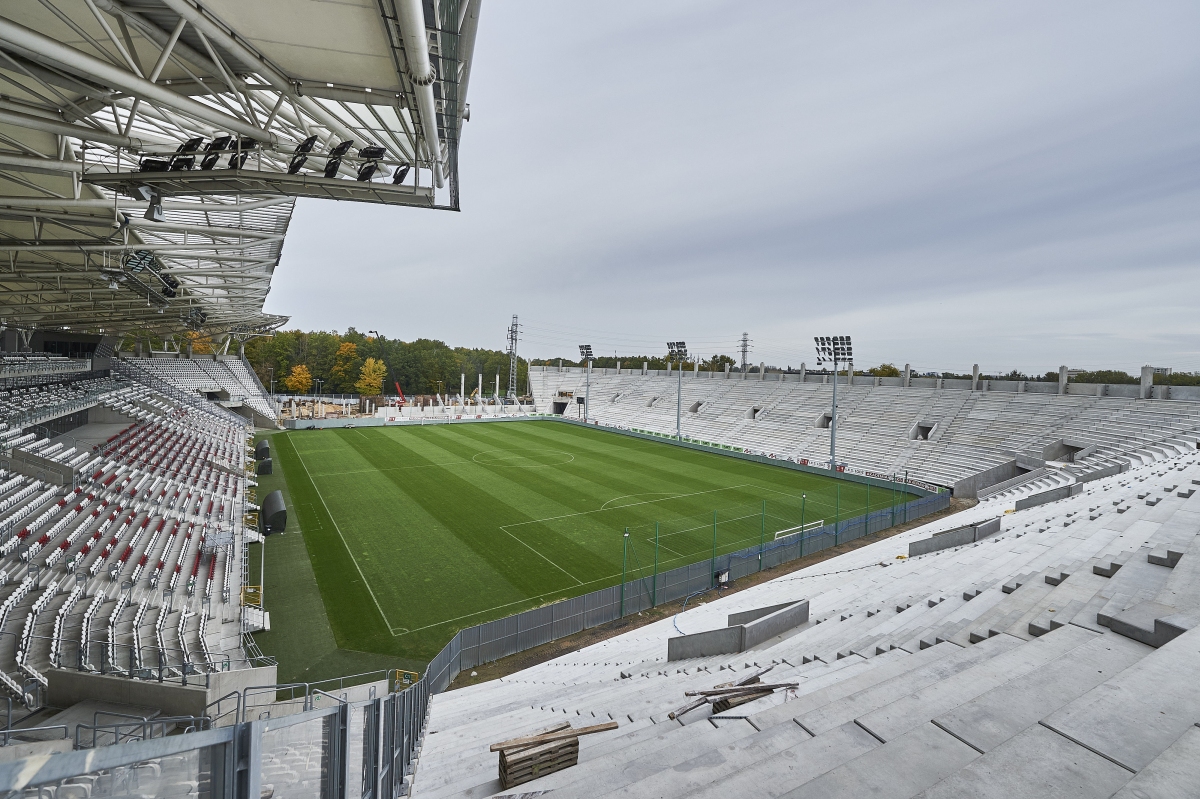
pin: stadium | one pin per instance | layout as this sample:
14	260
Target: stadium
656	575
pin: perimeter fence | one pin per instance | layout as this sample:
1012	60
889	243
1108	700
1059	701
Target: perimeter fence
492	640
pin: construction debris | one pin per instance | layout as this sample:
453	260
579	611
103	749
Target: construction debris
731	694
544	752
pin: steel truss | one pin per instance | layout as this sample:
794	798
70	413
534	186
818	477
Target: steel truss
151	150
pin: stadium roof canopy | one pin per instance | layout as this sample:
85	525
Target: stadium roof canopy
151	150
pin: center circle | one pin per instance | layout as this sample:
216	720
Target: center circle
523	458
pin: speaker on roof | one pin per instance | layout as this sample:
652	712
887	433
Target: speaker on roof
264	466
272	517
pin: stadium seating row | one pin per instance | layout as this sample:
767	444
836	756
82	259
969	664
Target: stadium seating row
942	436
134	567
1054	658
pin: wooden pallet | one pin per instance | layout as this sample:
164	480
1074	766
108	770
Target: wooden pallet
523	765
544	752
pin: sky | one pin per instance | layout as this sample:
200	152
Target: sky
1014	184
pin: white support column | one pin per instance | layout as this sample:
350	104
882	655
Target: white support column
1147	387
1062	379
907	376
975	377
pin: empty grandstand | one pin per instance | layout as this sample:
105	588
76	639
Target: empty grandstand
151	154
1014	611
973	439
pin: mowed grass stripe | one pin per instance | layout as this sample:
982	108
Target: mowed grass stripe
356	622
406	552
465	510
448	537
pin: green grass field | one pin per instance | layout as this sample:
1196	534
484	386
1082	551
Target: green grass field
415	532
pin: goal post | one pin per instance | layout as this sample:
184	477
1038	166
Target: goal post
800	528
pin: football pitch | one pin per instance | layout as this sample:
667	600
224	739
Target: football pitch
417	531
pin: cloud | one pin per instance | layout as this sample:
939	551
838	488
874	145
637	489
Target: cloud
1009	184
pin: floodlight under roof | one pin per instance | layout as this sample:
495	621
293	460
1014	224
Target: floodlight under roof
213	152
367	170
372	153
400	174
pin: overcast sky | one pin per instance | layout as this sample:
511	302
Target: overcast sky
1014	184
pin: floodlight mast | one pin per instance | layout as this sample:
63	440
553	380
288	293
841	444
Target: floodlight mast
835	349
585	353
678	352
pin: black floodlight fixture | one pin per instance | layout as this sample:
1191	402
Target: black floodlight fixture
213	151
154	165
182	162
836	349
367	170
190	146
238	159
301	154
400	174
335	158
677	350
372	153
585	352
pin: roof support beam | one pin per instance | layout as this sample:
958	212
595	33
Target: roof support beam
31	41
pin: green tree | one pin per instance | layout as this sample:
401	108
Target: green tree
884	370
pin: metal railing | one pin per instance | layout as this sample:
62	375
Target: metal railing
354	750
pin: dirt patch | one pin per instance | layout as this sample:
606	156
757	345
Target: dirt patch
572	643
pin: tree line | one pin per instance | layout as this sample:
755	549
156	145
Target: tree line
330	362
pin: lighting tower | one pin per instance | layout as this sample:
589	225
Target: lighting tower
585	354
678	353
836	349
744	346
513	330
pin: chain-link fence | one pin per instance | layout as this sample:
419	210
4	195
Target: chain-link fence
493	640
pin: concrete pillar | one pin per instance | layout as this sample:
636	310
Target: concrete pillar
560	364
645	367
242	350
668	368
728	366
975	377
618	367
907	376
762	370
849	373
189	349
1020	386
696	370
137	348
1062	380
803	372
1147	391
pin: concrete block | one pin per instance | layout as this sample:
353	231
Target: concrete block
776	776
1175	774
1136	715
1151	623
1035	763
899	769
997	715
